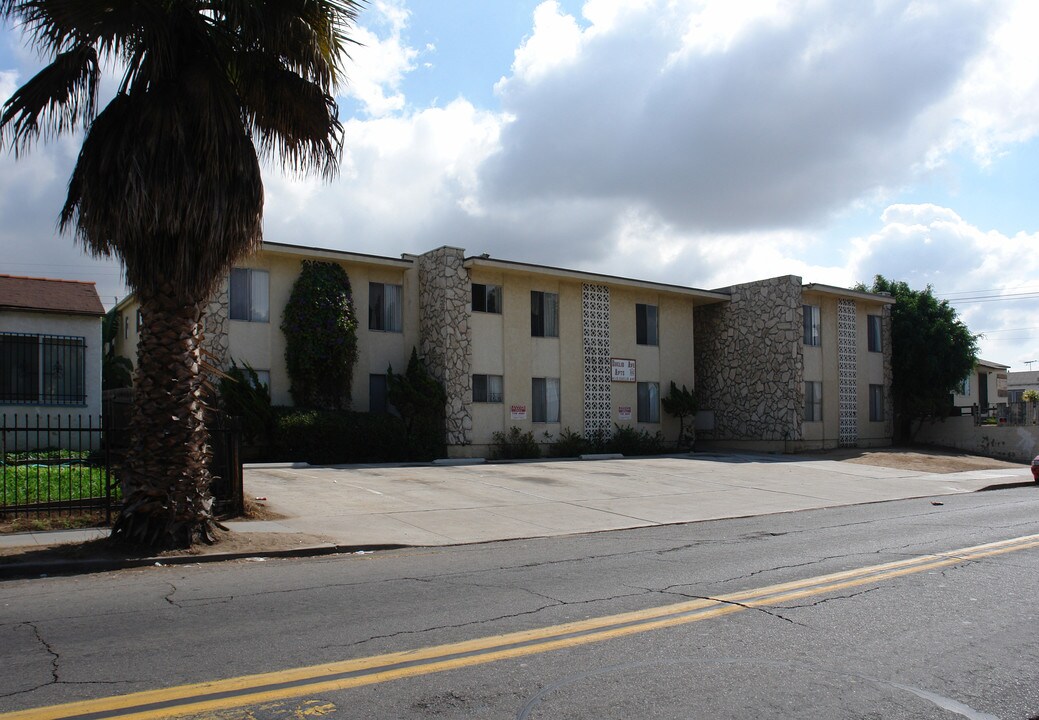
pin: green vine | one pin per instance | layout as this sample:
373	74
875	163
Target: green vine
320	328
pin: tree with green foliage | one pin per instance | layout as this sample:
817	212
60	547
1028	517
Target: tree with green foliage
116	370
932	351
320	328
168	181
682	404
420	400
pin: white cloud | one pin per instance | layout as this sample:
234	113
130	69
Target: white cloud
932	245
378	65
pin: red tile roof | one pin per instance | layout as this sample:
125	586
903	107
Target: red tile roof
58	296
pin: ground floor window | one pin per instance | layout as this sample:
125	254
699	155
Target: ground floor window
649	402
487	388
377	402
544	400
813	401
876	403
42	369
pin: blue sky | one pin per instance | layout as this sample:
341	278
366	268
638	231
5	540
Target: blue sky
700	142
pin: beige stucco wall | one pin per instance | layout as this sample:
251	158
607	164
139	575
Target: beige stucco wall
262	345
40	323
821	364
502	345
991	375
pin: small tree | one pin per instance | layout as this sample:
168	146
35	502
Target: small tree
1031	397
931	352
421	401
320	329
682	404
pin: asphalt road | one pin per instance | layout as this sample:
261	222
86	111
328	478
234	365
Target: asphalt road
895	610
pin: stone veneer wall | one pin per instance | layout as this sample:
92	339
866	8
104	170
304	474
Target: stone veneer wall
445	293
889	399
750	362
215	343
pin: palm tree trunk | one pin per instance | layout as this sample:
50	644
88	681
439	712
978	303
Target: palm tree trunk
166	499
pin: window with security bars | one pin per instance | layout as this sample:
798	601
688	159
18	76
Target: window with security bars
487	388
42	369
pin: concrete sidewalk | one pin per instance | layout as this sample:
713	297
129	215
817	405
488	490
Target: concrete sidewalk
380	505
364	506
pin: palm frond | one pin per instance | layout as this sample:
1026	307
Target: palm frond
293	120
56	100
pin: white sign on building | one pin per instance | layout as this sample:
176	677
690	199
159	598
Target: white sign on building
623	369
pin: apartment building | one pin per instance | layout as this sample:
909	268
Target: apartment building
778	365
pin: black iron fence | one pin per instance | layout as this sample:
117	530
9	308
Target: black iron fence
55	465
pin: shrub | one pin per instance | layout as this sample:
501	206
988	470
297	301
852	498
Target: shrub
328	437
420	400
320	329
569	444
242	395
515	444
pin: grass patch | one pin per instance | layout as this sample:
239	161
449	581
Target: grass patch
51	476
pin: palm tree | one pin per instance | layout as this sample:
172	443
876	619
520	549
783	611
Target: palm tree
168	180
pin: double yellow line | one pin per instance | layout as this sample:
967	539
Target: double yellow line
266	687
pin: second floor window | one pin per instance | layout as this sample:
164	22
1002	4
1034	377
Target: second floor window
384	307
646	325
544	314
486	298
250	295
876	338
813	330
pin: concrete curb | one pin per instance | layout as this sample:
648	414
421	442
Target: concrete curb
21	570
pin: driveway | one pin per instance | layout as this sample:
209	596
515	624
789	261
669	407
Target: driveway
444	505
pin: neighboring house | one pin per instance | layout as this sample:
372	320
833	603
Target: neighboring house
986	387
50	350
1018	382
545	349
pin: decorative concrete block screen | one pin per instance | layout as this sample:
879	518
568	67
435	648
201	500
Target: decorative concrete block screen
848	428
595	321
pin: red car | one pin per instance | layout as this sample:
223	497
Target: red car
1035	468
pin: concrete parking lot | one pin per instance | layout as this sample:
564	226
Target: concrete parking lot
442	505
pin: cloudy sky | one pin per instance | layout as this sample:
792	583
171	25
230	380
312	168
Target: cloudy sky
698	142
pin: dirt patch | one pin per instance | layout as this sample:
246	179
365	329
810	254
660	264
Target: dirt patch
919	459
